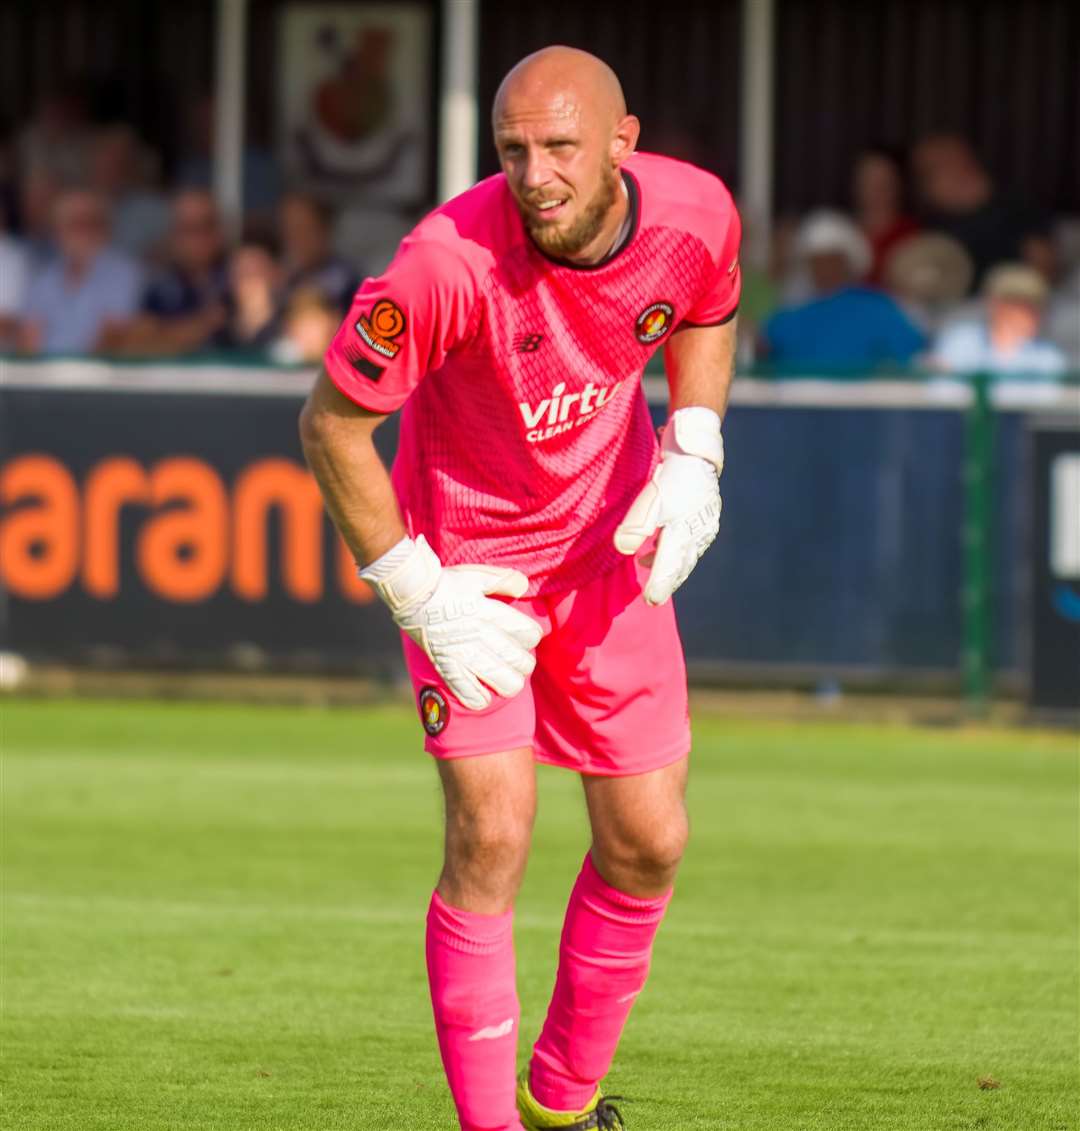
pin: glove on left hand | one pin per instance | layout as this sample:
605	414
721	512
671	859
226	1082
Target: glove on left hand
682	500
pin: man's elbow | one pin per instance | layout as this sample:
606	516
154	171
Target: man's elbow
313	428
330	420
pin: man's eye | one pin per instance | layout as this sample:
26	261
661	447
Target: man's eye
512	150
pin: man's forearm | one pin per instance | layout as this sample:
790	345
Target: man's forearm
700	364
355	485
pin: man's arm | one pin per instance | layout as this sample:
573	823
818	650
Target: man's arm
474	642
337	436
682	499
700	364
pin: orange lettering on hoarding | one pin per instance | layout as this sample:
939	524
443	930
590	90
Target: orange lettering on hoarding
282	484
39	536
182	551
184	546
111	485
352	588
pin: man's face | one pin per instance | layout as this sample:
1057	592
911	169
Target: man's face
560	172
829	271
252	272
1013	321
948	175
302	232
82	226
196	231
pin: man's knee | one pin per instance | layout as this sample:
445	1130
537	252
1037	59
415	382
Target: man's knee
486	854
490	842
490	807
645	857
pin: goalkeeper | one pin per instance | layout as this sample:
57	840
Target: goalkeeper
528	541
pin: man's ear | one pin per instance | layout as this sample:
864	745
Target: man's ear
625	138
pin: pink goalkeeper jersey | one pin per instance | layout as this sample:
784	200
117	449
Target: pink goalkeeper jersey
525	435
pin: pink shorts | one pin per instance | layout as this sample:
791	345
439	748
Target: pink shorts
608	695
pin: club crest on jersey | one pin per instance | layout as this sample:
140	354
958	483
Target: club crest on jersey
654	322
434	710
379	328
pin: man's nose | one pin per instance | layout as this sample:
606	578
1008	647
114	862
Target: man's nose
537	169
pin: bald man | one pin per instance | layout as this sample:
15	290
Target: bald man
529	540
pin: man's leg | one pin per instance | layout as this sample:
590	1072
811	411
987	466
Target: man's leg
490	806
639	828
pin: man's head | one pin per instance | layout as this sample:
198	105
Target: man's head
949	175
311	321
833	249
82	225
877	181
1015	299
195	237
561	132
114	160
304	227
254	271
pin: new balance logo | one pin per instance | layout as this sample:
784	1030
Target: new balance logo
528	343
493	1032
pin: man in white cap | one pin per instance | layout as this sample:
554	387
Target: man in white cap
1006	339
846	325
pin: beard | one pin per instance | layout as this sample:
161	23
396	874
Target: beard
567	242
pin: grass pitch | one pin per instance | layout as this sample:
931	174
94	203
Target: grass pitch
212	919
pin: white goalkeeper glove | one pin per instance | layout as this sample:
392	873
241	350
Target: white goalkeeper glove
682	500
471	639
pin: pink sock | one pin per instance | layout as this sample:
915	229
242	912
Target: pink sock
470	960
603	963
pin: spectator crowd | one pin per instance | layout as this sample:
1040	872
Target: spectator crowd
96	257
931	263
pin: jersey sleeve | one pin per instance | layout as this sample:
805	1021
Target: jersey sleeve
402	325
719	299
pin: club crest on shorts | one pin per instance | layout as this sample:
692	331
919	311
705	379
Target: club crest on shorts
654	322
379	328
434	710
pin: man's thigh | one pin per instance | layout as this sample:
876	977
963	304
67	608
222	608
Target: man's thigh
610	681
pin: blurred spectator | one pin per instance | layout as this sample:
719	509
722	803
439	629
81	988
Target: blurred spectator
254	298
929	274
309	325
1006	339
960	199
846	324
13	274
304	226
118	170
57	139
71	301
877	191
183	307
193	277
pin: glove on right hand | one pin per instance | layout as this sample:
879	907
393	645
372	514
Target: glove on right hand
470	639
